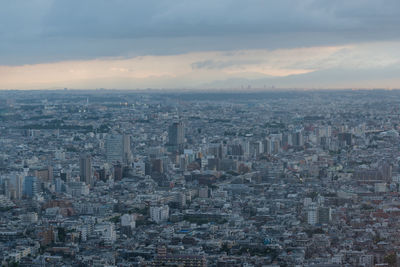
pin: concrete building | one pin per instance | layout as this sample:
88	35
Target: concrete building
312	214
159	213
85	168
118	148
30	186
176	134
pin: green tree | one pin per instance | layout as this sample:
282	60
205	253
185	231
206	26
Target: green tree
61	234
390	259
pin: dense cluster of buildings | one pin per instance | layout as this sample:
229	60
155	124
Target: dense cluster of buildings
193	179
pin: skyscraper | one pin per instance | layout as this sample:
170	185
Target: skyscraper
85	164
312	214
13	186
324	215
176	134
30	186
118	148
19	180
126	143
298	138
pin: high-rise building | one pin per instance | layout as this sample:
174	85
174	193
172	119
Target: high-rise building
159	213
19	180
346	138
126	148
287	139
85	164
215	150
58	184
312	214
324	215
157	166
45	175
118	148
298	138
236	150
30	186
13	186
276	146
176	134
267	146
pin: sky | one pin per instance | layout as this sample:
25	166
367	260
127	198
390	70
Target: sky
207	44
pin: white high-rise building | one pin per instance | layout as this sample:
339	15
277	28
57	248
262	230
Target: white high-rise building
312	214
159	213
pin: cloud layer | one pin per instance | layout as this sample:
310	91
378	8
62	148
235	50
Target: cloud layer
199	42
295	67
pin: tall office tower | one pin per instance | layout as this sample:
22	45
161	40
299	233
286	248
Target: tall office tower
324	215
118	148
325	131
268	146
85	164
255	148
30	186
45	175
6	187
287	139
176	134
236	150
298	139
312	214
127	148
386	171
346	138
18	181
246	148
276	146
13	186
157	166
215	150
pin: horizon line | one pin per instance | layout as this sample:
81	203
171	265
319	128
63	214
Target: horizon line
249	90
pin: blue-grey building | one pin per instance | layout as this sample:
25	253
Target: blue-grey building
30	186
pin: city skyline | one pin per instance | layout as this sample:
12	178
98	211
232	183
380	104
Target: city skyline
199	133
273	178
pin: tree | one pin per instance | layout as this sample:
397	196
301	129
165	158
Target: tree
61	234
390	259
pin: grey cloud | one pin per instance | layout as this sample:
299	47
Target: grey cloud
212	64
329	78
50	30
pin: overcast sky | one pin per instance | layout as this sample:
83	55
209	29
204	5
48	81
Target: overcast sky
129	44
